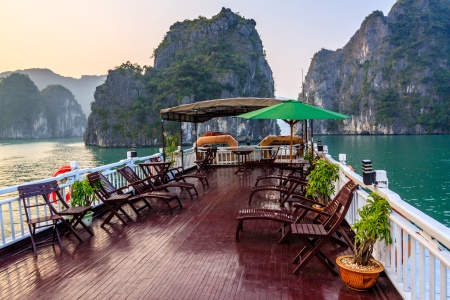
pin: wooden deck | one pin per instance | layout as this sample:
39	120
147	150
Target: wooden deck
191	254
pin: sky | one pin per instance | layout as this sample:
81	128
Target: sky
90	37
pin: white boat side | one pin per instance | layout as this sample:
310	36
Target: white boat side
417	263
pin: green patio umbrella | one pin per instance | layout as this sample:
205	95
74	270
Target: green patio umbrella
291	112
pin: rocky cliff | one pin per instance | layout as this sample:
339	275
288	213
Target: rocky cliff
82	88
28	113
198	60
392	77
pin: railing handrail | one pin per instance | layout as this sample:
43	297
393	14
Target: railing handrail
426	223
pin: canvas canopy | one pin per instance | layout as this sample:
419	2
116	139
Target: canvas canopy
203	111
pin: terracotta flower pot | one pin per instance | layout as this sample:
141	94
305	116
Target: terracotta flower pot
358	279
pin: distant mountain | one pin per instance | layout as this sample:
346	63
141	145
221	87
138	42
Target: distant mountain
83	88
392	77
28	113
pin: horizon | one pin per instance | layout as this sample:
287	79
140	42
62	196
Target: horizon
89	39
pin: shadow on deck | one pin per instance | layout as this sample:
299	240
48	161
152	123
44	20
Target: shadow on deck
189	255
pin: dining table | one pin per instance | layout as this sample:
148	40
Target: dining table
242	156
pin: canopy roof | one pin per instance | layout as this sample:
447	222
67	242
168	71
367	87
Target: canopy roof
203	111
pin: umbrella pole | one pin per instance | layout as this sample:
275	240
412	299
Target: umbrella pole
290	151
181	147
312	139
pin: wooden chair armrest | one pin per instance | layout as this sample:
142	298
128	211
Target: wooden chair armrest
299	206
312	201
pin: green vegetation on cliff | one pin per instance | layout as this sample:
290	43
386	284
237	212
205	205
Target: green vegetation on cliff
421	38
198	60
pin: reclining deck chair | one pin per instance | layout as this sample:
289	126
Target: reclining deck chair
114	198
42	212
146	188
315	236
154	183
287	189
175	173
300	214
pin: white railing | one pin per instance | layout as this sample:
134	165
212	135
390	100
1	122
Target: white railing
417	262
12	220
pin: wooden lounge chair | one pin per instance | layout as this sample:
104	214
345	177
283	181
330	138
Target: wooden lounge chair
301	214
176	173
315	236
286	190
146	188
270	161
36	202
114	198
155	183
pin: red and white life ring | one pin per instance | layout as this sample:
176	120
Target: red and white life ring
61	170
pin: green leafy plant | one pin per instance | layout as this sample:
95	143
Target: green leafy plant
82	193
321	180
373	225
308	156
171	146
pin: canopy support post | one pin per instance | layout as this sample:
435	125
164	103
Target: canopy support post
162	139
181	147
195	131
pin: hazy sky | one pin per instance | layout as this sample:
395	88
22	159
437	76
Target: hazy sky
89	37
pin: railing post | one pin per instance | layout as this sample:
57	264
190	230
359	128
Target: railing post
74	166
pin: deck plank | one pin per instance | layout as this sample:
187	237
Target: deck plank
191	254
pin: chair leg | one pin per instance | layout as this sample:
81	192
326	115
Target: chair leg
114	212
239	228
32	230
58	236
314	250
71	230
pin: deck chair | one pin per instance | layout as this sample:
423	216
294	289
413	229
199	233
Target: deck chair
287	189
206	164
175	173
155	182
301	215
114	198
270	161
41	212
146	187
315	236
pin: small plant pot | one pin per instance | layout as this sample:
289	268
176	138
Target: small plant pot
87	219
358	279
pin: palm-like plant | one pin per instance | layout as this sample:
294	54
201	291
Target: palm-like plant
373	225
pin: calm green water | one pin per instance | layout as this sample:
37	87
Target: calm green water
418	167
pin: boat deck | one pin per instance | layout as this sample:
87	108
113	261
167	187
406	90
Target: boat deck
191	254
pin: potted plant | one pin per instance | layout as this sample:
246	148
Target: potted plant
171	147
321	180
360	271
83	194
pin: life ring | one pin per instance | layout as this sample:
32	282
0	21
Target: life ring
61	170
